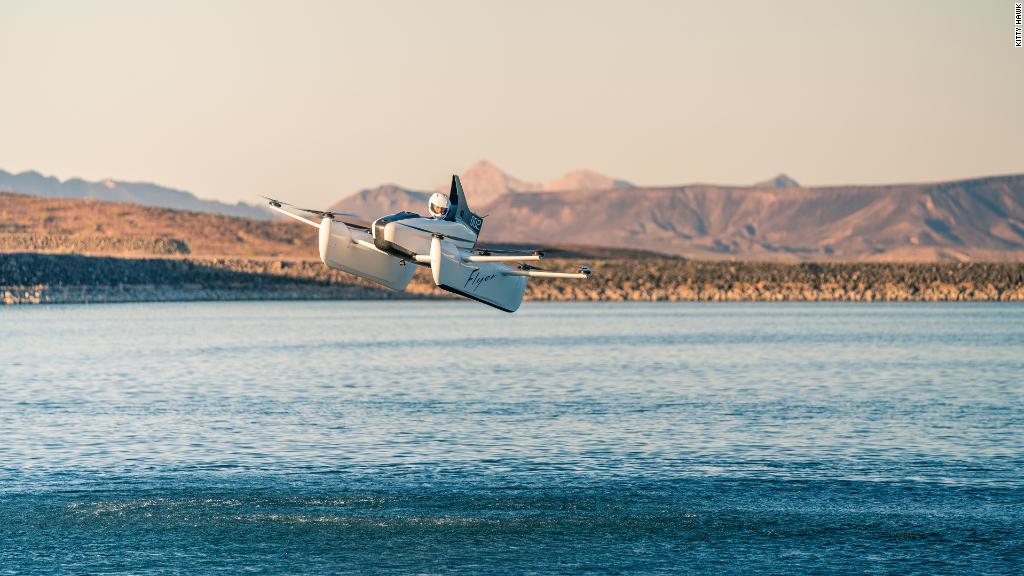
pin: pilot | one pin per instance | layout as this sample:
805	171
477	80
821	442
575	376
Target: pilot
438	205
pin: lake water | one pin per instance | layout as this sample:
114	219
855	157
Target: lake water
445	437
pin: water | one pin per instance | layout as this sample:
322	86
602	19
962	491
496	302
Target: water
443	437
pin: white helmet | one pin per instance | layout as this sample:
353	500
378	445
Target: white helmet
438	205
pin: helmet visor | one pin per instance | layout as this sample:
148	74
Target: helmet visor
438	205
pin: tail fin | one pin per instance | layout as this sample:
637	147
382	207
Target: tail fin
460	211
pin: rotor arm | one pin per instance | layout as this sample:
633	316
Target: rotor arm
488	256
503	258
277	207
350	220
583	273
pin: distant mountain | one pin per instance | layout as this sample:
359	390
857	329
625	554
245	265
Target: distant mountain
387	199
488	182
780	181
585	180
979	219
35	184
484	183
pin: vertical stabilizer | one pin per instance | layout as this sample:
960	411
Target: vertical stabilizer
457	196
460	211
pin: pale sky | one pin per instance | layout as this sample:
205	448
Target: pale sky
312	101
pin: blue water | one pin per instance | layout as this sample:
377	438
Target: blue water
443	437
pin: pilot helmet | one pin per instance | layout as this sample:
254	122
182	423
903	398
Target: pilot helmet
438	205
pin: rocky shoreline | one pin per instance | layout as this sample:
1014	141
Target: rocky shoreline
33	278
717	281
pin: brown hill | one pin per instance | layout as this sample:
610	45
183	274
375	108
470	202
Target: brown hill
39	224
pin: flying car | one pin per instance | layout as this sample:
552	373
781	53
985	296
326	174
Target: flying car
387	250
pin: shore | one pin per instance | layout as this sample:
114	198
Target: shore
34	278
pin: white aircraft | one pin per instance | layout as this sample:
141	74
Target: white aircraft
445	241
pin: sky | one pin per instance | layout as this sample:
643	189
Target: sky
312	101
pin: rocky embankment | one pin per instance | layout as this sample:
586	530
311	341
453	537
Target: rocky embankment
29	278
65	278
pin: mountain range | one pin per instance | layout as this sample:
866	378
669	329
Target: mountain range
979	219
143	193
778	219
